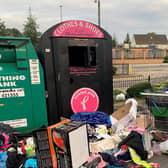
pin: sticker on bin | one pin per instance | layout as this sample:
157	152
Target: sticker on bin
84	99
34	71
16	123
16	92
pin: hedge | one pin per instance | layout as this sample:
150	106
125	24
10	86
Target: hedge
134	90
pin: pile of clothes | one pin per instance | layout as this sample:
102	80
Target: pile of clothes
122	148
16	150
112	143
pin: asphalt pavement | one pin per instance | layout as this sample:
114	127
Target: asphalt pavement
161	159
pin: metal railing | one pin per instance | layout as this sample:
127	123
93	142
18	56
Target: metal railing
126	82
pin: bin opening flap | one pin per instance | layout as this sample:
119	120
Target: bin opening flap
7	54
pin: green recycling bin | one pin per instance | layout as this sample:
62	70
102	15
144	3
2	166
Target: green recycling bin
22	91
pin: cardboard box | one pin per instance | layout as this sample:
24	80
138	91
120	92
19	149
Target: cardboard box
142	121
122	112
124	117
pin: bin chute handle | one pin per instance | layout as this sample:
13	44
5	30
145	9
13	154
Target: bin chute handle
22	44
18	46
5	41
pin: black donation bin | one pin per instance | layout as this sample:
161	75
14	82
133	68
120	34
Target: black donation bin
77	59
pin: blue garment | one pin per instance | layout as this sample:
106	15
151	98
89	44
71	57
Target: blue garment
31	163
111	166
92	118
3	158
111	151
126	156
112	160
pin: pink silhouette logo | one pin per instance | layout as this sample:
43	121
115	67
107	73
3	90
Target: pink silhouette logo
84	99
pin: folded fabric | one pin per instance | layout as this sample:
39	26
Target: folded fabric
92	118
105	144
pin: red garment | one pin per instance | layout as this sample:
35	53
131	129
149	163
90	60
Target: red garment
6	143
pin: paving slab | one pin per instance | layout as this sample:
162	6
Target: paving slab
161	159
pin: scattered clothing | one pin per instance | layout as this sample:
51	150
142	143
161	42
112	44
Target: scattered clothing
15	160
155	165
102	162
112	151
134	140
6	144
112	160
136	159
31	163
5	128
105	144
3	158
111	166
124	157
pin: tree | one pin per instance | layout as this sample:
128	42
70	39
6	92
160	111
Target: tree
8	31
114	41
166	58
30	29
2	28
127	39
151	33
13	32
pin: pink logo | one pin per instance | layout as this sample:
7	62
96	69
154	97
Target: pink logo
78	28
84	99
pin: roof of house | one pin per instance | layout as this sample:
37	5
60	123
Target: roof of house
150	39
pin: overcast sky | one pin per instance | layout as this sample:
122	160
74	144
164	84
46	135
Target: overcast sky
117	16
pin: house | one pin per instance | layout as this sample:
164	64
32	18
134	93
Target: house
150	40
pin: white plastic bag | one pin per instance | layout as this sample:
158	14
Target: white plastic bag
164	147
120	96
128	120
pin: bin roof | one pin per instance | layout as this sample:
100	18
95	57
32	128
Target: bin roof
77	28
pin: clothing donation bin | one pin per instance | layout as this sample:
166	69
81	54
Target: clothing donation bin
77	58
22	92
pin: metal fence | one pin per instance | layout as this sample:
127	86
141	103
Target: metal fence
126	82
156	80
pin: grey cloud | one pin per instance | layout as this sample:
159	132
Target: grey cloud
117	16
